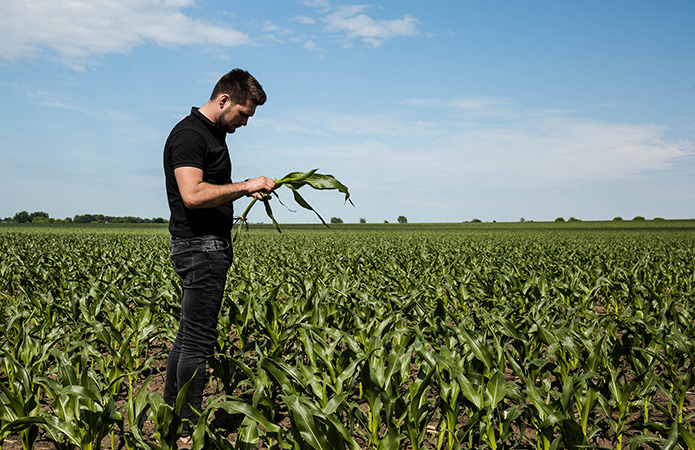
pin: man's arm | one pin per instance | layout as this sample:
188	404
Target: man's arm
198	194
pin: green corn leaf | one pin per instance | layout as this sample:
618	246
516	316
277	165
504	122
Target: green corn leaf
22	424
303	203
303	419
479	350
572	434
81	392
269	212
672	439
16	401
295	181
496	389
392	439
469	391
237	407
322	182
247	438
54	426
334	403
342	432
296	177
685	436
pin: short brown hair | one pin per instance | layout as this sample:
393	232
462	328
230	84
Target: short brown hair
241	86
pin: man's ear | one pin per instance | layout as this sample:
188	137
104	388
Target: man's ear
223	100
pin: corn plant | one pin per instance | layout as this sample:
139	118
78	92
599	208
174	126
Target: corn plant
19	408
295	181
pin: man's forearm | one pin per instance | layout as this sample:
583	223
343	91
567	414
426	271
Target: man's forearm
197	193
207	195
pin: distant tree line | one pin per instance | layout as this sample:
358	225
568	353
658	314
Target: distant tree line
43	217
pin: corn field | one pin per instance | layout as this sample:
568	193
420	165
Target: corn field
468	336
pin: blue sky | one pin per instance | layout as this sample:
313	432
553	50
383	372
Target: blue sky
439	111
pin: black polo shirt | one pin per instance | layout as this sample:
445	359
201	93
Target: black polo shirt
198	142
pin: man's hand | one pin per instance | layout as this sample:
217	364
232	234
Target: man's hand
260	187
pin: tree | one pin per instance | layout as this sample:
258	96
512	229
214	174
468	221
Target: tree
363	220
522	220
617	219
559	219
36	214
402	219
22	217
574	219
476	220
638	218
336	220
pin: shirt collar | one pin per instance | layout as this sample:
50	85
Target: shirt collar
212	126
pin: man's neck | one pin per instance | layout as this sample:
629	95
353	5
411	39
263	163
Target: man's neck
209	111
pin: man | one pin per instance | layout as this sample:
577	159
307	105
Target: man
200	192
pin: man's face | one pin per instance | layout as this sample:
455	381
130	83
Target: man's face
235	116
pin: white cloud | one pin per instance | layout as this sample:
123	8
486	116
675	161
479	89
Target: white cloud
525	149
79	30
478	106
351	23
317	3
304	20
558	151
356	25
498	170
323	122
604	105
268	26
311	45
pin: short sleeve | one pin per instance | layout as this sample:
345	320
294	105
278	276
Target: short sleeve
187	149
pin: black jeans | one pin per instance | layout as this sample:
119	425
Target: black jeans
202	263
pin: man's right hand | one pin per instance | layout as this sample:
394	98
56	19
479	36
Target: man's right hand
260	187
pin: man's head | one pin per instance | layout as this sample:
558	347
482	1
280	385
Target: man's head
241	87
234	100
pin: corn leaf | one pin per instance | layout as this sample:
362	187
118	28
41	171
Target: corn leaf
295	181
303	419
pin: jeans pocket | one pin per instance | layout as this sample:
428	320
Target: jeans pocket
180	247
184	265
214	244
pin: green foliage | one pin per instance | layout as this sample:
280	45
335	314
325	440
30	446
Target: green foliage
100	218
294	181
336	220
43	217
452	336
24	217
402	219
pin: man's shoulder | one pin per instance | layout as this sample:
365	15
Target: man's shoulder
188	123
187	130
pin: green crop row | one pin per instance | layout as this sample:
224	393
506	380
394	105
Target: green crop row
406	338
